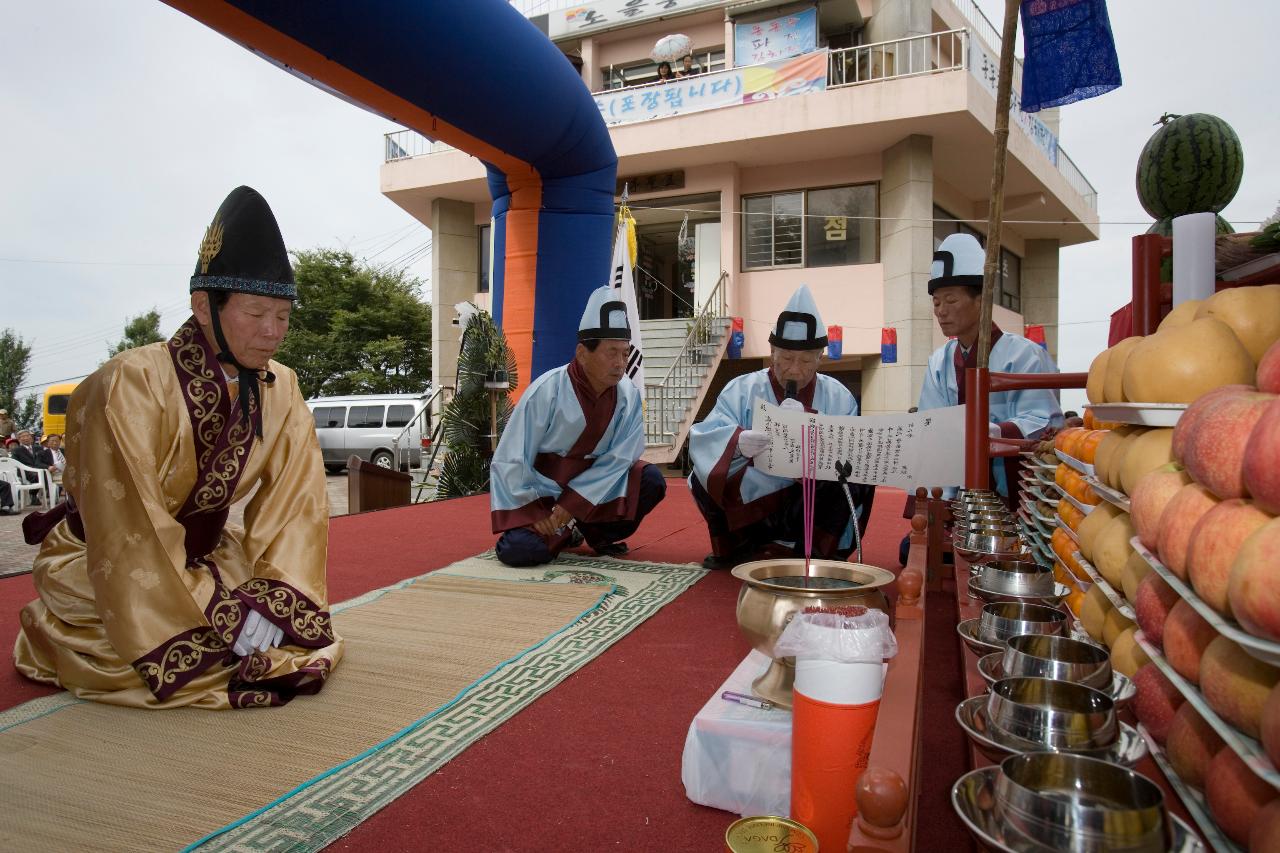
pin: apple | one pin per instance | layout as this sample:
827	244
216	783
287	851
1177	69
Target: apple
1271	726
1269	370
1235	795
1215	453
1191	745
1253	587
1236	684
1261	473
1199	407
1212	549
1186	636
1152	605
1156	701
1149	498
1264	835
1176	523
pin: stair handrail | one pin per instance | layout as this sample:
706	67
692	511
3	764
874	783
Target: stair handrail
423	414
713	308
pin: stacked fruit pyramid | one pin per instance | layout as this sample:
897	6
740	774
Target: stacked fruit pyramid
1175	551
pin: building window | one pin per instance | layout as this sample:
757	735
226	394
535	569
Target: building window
486	251
942	230
1009	293
772	232
1010	281
812	228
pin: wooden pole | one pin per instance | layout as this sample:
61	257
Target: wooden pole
995	212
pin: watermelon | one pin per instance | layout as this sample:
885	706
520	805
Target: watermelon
1192	164
1165	227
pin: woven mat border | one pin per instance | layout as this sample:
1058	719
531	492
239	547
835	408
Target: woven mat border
330	806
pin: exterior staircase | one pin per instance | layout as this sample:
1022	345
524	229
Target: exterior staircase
680	358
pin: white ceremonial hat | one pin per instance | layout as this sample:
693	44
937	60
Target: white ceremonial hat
800	325
605	317
958	261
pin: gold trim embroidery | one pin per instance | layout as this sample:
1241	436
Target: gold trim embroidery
211	245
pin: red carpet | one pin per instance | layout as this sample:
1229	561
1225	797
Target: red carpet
594	764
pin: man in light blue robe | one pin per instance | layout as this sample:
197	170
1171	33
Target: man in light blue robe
749	513
956	287
569	461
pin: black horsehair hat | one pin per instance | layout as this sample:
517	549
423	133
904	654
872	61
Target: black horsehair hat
243	251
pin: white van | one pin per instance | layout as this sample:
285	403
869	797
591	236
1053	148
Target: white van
385	429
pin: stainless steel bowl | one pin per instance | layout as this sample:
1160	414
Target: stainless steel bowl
1002	542
1054	714
1000	621
1078	804
1060	658
1016	577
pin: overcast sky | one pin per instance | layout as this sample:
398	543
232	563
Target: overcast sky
126	123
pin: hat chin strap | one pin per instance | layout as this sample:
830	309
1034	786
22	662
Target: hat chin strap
250	393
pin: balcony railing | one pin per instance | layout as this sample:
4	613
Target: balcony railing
933	53
1077	180
870	63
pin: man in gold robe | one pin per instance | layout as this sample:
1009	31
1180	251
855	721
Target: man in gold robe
148	597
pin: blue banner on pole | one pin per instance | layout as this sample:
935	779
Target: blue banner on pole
1070	52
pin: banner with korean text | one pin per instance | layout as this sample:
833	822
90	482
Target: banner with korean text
777	38
800	75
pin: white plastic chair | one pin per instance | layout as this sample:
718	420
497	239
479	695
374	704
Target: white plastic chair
24	493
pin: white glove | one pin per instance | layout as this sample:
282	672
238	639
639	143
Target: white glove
752	443
993	430
791	403
258	634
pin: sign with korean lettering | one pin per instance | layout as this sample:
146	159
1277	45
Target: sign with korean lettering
784	78
986	68
777	38
605	14
907	451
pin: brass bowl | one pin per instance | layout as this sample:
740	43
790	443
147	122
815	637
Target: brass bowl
774	591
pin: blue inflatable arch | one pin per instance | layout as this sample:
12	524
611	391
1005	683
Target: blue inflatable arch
476	75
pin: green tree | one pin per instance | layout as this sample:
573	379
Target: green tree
139	331
356	329
465	422
15	360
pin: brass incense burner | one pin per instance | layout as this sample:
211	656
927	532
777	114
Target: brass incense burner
774	591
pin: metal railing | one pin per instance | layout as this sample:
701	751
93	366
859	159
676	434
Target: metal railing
1077	180
666	402
422	419
407	144
906	57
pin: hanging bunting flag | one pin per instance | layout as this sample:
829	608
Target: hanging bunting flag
624	256
1070	53
736	338
1035	334
835	342
888	346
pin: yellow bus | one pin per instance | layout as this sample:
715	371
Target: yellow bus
56	398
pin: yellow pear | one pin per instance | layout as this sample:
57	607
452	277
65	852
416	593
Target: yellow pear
1179	364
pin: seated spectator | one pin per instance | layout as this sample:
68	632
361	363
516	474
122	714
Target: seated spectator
664	72
53	444
28	453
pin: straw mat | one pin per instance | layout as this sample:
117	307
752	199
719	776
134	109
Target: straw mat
431	665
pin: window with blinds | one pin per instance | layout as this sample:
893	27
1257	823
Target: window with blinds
811	228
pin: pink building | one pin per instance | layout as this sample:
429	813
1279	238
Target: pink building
832	143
